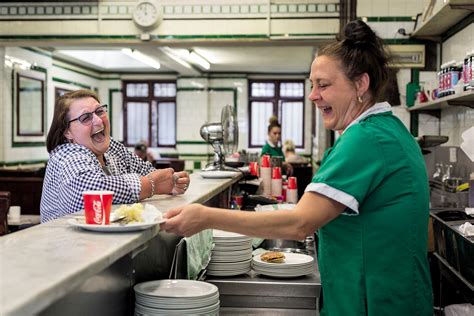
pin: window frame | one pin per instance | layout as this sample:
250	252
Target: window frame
148	99
276	100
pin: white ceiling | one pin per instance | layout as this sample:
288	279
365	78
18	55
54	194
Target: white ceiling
235	58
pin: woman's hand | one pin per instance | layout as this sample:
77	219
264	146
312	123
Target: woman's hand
164	180
185	221
181	182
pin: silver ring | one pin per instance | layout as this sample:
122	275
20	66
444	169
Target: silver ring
185	187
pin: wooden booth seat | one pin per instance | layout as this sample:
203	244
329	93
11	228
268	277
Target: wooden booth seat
175	163
4	207
25	189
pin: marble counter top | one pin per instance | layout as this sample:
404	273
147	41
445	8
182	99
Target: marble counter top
41	264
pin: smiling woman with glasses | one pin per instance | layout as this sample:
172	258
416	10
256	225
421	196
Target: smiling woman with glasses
83	157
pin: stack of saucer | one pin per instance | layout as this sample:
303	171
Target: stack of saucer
295	265
176	297
231	255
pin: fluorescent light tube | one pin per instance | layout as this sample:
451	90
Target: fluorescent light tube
142	58
193	56
12	62
173	55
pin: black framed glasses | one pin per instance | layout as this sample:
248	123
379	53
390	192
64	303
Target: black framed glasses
86	118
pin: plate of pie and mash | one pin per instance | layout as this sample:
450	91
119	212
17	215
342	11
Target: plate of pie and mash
134	217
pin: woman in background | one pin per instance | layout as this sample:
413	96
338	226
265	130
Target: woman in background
290	155
141	150
272	145
83	157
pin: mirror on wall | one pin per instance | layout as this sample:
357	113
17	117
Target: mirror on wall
30	109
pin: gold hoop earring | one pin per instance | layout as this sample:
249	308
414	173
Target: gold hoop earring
359	98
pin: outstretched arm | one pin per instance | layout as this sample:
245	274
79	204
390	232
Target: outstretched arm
313	211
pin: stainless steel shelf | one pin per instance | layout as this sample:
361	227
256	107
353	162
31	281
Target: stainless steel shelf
445	16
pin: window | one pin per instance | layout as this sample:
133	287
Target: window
284	99
150	113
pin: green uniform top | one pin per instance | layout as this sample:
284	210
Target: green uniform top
273	151
373	257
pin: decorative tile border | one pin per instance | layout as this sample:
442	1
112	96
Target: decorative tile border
49	10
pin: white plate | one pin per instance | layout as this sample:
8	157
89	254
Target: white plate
176	288
166	303
114	227
235	253
291	259
218	174
231	246
185	311
223	234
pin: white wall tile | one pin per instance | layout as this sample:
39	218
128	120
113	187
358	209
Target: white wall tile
455	48
403	114
403	77
364	8
428	125
380	7
397	8
454	121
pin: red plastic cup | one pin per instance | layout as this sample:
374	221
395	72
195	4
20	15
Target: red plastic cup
265	161
292	183
253	166
97	206
276	173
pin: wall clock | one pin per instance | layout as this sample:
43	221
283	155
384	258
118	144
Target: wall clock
147	14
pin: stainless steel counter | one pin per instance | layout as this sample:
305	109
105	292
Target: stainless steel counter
255	294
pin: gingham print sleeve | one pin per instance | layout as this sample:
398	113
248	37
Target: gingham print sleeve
121	160
75	169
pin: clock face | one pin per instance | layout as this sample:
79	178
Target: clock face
146	14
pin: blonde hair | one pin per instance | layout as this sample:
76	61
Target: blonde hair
289	145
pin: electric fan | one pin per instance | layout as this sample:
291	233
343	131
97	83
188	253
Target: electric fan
224	138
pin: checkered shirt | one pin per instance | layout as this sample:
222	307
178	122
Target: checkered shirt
73	169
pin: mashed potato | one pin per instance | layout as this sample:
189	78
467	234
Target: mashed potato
133	213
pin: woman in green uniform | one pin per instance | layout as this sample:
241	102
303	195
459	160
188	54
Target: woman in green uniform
369	199
272	145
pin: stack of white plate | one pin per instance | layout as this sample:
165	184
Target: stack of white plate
176	297
295	265
232	254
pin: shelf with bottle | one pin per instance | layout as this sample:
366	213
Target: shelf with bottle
440	16
463	98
